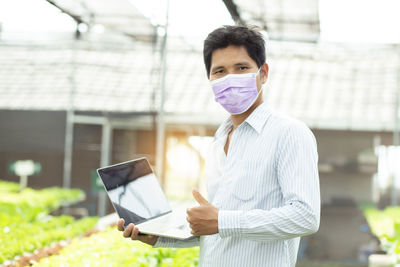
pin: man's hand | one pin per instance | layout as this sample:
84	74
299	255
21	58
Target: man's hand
132	231
203	219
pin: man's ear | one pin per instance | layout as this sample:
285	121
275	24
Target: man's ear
264	70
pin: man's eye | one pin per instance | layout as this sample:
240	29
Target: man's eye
243	68
218	71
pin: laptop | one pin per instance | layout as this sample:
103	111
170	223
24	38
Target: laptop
137	197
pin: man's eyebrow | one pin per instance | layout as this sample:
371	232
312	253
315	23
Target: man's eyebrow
216	68
242	63
236	64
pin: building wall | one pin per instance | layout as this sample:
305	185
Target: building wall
342	189
35	135
345	186
40	136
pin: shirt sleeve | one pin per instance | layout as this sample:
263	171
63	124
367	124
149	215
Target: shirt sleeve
297	174
166	242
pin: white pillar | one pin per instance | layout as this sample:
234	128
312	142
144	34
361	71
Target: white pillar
160	147
106	145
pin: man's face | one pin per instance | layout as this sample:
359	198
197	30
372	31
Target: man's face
235	60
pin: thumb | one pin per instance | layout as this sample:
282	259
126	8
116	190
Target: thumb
199	198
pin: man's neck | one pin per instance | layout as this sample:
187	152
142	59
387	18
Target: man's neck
239	118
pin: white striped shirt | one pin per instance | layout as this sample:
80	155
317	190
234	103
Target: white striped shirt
266	189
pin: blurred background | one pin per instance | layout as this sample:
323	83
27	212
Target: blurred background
85	84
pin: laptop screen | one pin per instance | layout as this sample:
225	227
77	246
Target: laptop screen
134	191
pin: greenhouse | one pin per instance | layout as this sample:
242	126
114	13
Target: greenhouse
127	109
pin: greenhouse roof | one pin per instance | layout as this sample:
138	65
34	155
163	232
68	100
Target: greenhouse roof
117	16
296	20
327	86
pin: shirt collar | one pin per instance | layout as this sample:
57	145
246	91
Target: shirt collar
225	128
256	120
259	117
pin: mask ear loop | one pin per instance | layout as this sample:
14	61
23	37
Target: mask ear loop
261	84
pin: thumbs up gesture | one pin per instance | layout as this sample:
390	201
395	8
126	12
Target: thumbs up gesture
203	219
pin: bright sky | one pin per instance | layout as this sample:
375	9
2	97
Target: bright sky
341	20
373	21
188	18
35	16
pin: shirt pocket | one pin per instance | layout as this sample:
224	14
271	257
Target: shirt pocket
244	186
242	191
250	180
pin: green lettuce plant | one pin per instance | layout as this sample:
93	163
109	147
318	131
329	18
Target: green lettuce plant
25	223
385	224
109	248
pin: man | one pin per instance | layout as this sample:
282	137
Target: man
262	176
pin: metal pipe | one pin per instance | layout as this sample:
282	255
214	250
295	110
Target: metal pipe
160	118
68	147
106	144
396	130
69	126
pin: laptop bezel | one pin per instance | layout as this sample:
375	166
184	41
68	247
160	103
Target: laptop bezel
106	190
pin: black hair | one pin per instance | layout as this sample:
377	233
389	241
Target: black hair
245	36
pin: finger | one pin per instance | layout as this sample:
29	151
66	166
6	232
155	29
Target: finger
200	212
121	223
189	212
193	232
128	230
189	219
194	226
199	198
135	233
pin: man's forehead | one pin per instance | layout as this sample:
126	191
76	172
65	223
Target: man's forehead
231	55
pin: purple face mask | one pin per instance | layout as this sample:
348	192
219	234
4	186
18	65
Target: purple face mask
236	92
